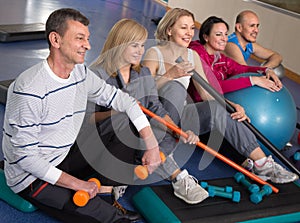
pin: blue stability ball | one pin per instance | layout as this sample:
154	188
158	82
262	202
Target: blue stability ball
272	113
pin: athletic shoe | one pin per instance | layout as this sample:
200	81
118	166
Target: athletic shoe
248	164
271	170
127	214
119	191
186	187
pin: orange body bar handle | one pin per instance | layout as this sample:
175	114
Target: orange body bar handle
209	150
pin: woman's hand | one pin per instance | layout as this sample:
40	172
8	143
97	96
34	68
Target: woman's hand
239	114
191	139
179	70
270	74
264	82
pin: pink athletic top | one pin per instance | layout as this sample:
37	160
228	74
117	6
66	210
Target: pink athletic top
222	67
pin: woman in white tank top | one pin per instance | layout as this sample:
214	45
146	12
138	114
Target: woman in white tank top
174	34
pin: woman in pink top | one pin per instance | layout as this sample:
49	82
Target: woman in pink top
213	40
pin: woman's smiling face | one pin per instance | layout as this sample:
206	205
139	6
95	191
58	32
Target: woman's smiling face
182	31
134	52
217	39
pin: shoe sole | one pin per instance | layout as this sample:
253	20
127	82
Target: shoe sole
188	201
265	178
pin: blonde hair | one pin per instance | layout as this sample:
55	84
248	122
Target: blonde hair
124	32
169	19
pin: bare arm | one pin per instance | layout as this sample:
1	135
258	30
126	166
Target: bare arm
151	61
151	156
73	183
234	52
99	116
273	59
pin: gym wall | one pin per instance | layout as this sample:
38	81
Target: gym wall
278	30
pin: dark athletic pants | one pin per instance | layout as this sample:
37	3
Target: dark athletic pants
57	201
125	145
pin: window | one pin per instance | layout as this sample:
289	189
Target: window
291	7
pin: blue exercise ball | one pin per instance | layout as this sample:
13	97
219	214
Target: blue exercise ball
272	113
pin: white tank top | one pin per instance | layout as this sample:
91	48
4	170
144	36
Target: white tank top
162	70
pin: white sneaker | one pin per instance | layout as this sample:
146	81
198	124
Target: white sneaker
119	191
271	170
248	164
187	188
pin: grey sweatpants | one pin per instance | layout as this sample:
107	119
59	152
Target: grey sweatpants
204	117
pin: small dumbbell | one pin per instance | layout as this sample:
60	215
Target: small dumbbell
296	156
235	196
81	197
240	178
257	197
205	185
142	172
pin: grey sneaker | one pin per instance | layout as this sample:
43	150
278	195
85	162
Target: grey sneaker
274	172
187	188
119	191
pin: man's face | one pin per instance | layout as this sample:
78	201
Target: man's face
74	43
248	28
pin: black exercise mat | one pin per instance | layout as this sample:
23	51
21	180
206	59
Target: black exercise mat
21	32
216	209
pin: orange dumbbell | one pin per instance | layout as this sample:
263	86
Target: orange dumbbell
142	172
81	197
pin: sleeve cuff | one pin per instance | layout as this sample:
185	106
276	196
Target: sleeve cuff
52	175
141	122
250	78
268	68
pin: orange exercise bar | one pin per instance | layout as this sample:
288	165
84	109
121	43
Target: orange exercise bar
209	150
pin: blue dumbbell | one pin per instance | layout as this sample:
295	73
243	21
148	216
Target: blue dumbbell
205	185
257	197
297	156
240	178
235	196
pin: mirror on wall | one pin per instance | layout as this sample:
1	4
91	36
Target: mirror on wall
289	5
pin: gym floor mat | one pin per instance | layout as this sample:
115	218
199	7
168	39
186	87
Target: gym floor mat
217	209
3	90
21	32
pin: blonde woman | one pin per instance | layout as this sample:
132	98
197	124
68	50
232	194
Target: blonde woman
119	64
